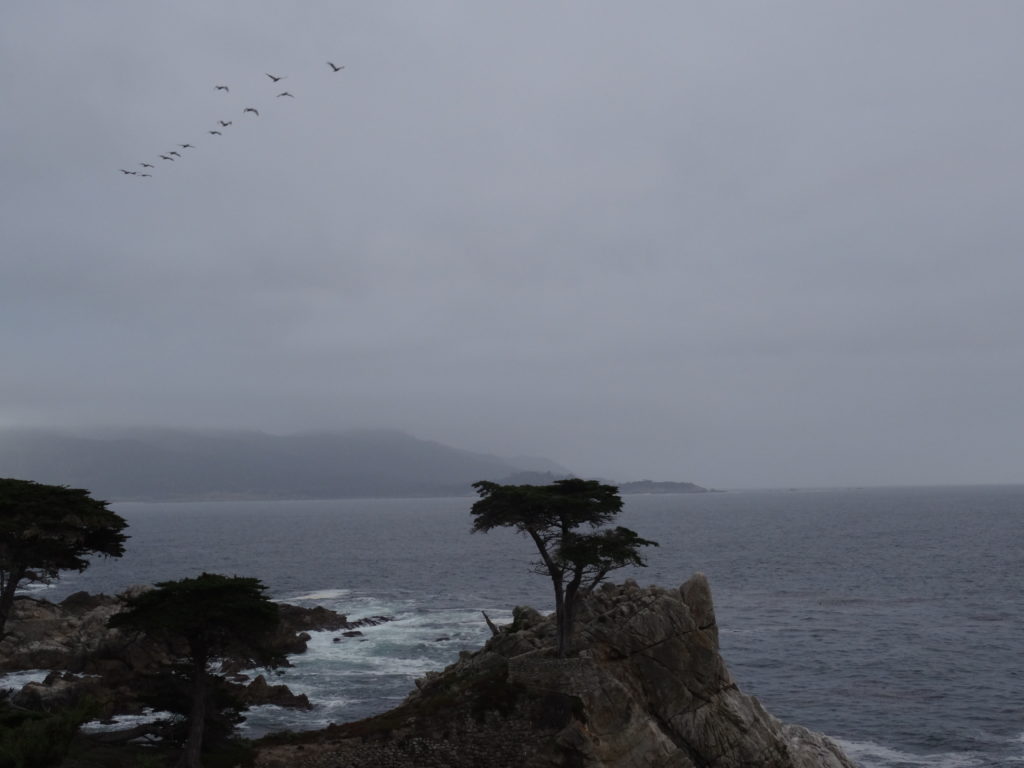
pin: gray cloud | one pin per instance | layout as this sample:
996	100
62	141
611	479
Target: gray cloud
742	244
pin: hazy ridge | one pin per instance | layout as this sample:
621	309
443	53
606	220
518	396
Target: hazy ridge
170	464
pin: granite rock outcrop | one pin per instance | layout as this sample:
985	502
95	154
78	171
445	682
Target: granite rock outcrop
645	687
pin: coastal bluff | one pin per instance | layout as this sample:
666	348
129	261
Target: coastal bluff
645	687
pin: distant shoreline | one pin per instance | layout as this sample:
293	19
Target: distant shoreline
262	499
623	489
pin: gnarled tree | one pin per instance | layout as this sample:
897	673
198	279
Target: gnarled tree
46	529
551	515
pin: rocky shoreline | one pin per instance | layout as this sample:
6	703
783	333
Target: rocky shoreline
644	687
88	659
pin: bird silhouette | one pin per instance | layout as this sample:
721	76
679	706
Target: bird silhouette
274	77
335	67
285	93
221	88
128	173
250	109
186	146
165	157
224	123
212	133
145	165
146	174
176	154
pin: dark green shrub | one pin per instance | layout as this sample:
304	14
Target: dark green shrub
36	739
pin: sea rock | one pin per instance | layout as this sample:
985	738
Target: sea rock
298	621
296	618
259	691
57	691
644	687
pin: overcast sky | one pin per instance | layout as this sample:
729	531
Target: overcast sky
743	244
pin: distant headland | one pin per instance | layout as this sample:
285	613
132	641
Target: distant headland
655	486
163	464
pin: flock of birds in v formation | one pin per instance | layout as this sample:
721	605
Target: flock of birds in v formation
174	155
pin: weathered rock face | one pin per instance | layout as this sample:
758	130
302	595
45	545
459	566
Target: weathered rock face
645	688
656	692
44	635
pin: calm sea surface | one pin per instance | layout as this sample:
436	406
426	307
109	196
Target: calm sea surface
890	619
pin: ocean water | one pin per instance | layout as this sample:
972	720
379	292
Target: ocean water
890	619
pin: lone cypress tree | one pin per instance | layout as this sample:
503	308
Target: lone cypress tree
551	516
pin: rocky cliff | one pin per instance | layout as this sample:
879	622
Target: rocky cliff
645	688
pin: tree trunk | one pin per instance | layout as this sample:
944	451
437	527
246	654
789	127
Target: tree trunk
192	756
568	616
560	615
558	582
10	586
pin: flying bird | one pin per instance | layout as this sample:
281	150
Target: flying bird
221	88
285	93
250	109
176	154
213	133
146	174
335	67
165	157
224	123
186	146
145	165
129	173
273	77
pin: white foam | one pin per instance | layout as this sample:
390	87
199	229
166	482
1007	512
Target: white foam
337	672
354	676
35	586
322	594
123	722
15	681
373	654
872	755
